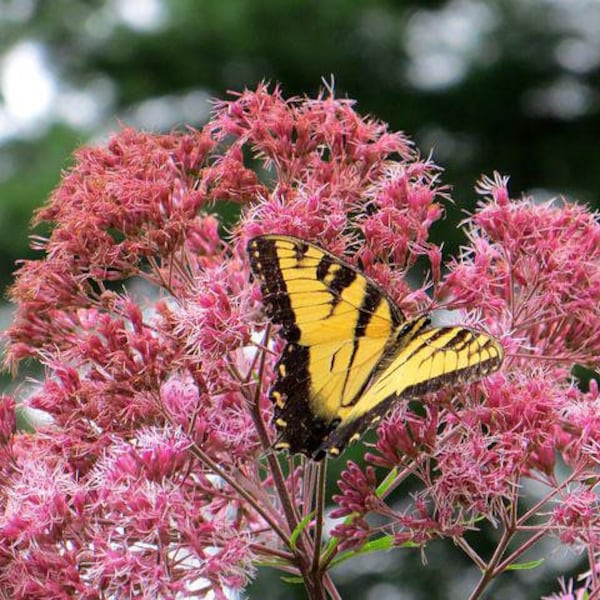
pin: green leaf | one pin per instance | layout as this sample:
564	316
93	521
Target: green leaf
292	579
299	529
380	544
385	484
274	563
526	566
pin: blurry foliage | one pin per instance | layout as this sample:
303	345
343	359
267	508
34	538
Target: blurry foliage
39	168
497	116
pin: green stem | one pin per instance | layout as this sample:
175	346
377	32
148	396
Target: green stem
319	514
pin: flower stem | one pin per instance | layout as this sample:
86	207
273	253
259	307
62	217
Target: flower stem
319	514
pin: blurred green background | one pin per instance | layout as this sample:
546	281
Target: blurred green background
507	85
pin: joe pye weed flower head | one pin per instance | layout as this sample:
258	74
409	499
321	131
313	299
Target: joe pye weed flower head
155	476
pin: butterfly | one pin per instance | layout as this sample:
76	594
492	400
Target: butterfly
350	354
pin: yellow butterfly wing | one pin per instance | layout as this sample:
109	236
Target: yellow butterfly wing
337	324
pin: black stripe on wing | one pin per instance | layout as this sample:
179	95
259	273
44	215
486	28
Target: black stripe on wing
371	301
335	443
265	263
335	276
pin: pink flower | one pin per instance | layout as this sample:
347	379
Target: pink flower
538	267
357	489
214	319
404	436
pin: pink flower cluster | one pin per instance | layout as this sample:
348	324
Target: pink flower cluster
154	474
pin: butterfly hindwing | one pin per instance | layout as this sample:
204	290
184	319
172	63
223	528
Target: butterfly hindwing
337	325
424	361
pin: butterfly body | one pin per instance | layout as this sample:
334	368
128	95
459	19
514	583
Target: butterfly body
350	354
